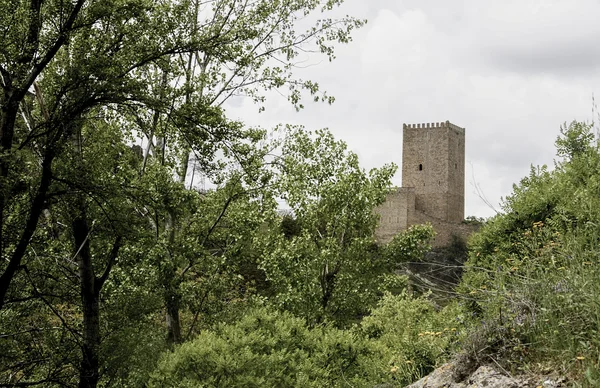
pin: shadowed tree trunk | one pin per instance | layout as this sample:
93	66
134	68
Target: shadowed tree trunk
90	295
173	322
90	284
90	287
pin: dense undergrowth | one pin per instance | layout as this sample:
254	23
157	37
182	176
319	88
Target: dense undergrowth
403	339
532	277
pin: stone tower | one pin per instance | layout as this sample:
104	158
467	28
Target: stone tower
433	163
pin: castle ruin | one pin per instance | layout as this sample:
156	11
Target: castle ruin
433	184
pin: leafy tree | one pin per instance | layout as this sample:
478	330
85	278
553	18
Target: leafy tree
89	217
328	270
68	87
47	48
256	46
73	87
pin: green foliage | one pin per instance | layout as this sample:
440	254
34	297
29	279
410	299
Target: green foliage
266	348
100	238
215	249
409	245
532	272
400	341
414	336
500	241
575	140
329	268
290	227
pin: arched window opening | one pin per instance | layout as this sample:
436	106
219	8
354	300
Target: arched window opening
420	167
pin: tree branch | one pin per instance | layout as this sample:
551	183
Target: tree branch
111	261
212	228
34	214
62	39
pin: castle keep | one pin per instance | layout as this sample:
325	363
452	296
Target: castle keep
433	184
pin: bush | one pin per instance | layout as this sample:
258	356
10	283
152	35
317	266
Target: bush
532	272
413	335
271	349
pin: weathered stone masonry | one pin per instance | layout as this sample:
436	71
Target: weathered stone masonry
433	184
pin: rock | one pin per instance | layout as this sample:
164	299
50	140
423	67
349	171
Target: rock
483	377
486	376
441	377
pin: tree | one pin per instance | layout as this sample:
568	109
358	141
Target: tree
27	50
329	270
89	217
72	85
255	50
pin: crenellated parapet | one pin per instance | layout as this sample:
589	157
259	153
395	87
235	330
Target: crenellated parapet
440	125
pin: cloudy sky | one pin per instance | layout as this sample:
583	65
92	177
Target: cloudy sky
510	72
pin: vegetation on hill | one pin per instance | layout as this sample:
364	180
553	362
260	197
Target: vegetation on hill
531	280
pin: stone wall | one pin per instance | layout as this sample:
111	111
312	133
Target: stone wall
395	213
398	212
445	231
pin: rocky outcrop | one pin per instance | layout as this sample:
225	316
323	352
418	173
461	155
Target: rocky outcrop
484	376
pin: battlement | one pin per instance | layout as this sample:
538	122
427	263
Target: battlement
399	190
445	124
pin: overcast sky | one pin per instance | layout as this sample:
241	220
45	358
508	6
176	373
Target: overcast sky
510	72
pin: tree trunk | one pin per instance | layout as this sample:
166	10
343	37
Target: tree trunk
90	295
8	116
173	322
32	221
328	279
90	287
172	291
172	302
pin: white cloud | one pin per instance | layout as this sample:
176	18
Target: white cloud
511	72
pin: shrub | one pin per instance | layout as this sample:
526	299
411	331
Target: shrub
414	336
532	273
271	349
